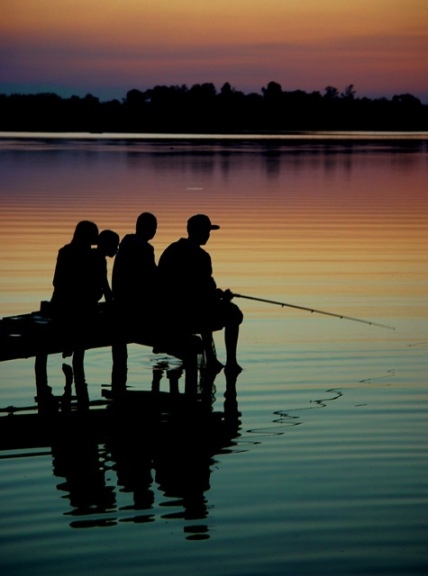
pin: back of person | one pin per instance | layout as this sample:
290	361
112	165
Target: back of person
73	278
185	277
134	280
134	272
134	286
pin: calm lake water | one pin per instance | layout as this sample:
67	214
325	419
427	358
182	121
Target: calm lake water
324	470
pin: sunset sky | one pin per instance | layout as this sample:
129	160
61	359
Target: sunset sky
111	46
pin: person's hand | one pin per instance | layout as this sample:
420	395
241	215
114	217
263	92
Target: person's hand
228	295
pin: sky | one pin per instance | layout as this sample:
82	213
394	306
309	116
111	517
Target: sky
107	47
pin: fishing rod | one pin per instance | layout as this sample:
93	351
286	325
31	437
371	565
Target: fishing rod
313	310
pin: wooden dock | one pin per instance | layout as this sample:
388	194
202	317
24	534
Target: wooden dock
38	335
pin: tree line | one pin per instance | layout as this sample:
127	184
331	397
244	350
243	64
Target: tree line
203	109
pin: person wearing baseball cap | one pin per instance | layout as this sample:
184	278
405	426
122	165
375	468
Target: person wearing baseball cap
192	302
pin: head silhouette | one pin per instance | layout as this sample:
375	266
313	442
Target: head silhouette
85	233
108	242
199	228
146	225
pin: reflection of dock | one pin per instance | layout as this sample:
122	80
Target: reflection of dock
116	458
22	428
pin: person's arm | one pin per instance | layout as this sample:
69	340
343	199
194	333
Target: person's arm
60	274
107	291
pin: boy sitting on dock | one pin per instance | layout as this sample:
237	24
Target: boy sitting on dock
134	290
192	303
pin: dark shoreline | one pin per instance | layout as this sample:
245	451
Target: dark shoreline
202	109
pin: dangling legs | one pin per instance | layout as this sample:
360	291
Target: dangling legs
45	399
79	378
66	397
213	364
234	318
231	334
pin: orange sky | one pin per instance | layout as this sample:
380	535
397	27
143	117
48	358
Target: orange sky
107	47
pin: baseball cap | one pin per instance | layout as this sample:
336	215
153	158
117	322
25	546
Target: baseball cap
201	222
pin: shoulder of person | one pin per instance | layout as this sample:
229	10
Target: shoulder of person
175	246
67	251
65	248
127	240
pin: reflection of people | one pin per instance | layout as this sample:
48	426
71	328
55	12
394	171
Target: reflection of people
180	456
76	458
192	301
134	288
186	446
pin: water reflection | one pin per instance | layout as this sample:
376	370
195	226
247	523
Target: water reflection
76	458
147	458
113	461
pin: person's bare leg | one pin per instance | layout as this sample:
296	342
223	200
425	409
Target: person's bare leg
210	352
231	334
45	399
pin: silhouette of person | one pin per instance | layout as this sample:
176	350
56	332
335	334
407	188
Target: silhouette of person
73	271
98	287
192	301
134	290
77	287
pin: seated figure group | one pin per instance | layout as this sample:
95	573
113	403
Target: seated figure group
165	301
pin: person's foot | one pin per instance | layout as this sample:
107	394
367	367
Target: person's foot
233	368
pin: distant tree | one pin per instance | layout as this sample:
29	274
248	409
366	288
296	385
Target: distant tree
226	90
331	93
406	100
408	112
91	100
231	109
348	93
135	97
273	91
203	92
